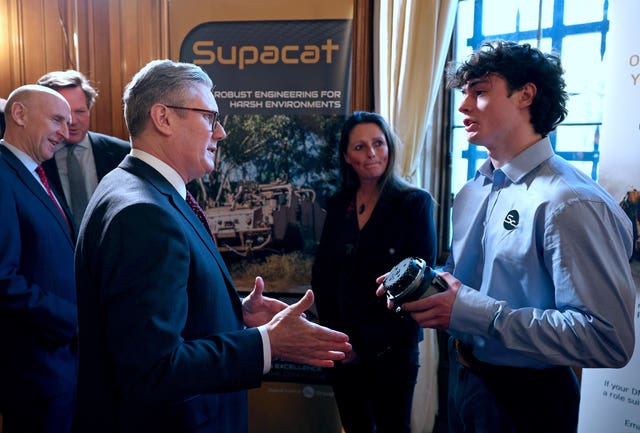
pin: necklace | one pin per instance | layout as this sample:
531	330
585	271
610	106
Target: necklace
366	202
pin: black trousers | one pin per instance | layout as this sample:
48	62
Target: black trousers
375	395
51	415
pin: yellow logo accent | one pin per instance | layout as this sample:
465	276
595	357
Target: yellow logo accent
269	54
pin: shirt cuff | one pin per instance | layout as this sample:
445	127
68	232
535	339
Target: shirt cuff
266	348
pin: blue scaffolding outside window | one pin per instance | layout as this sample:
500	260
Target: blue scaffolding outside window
574	29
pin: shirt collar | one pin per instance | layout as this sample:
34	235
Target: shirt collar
25	159
522	164
84	143
165	170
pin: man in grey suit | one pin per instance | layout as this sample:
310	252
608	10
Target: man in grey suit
166	344
77	167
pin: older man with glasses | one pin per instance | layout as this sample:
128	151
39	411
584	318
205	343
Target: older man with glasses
167	345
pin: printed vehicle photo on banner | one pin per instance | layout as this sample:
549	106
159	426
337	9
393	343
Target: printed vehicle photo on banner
282	89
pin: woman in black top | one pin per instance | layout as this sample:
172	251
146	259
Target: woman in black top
373	222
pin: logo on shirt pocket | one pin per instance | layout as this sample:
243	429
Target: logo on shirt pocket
511	220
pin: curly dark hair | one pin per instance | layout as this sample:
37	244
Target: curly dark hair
519	64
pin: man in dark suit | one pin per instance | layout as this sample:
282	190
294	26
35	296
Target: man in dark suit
77	167
38	318
2	124
166	343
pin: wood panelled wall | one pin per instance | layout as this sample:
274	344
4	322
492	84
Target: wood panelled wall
362	56
110	40
107	40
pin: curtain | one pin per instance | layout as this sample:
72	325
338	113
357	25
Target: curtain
411	42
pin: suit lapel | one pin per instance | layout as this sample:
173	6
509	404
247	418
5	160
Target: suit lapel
181	205
39	193
144	170
100	150
51	169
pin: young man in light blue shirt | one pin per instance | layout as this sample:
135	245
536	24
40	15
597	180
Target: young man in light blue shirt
539	277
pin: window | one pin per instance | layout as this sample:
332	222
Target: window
574	29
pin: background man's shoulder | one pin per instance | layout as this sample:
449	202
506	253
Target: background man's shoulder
97	137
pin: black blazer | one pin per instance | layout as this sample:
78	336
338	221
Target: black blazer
38	318
349	260
162	341
108	152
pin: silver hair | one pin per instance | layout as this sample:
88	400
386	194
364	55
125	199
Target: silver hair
159	81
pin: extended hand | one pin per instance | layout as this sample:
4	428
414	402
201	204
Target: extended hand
257	309
296	339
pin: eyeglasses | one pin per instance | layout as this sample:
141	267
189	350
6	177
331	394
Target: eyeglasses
211	116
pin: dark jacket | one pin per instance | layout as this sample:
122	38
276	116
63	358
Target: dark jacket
38	318
349	260
162	341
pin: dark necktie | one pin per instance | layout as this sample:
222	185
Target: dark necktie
193	203
45	182
77	189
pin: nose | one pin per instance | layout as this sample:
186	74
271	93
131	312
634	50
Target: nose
64	130
219	133
371	152
464	104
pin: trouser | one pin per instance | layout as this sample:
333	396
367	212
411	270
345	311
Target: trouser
51	415
375	395
485	398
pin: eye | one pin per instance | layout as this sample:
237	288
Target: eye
209	117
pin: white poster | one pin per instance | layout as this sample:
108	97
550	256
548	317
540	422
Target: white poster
610	401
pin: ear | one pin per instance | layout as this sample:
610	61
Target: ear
527	93
161	118
19	113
